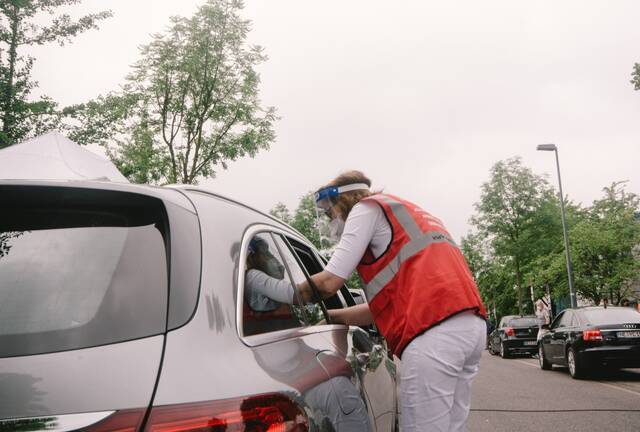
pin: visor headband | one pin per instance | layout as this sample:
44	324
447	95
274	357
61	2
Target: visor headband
334	191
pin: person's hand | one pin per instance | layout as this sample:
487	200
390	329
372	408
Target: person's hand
304	290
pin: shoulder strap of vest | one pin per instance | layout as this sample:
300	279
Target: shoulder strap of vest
398	208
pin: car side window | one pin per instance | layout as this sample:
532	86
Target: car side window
312	310
575	320
269	294
566	319
556	322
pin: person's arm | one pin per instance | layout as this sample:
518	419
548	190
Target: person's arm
280	290
359	229
358	315
327	283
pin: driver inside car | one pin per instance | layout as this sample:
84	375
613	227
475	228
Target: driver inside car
265	286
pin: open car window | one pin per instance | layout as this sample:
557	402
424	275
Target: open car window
312	310
314	263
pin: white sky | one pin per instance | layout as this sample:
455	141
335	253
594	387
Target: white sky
422	96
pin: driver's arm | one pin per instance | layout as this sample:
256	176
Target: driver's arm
280	290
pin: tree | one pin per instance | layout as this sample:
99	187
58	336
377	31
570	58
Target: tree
604	247
635	75
5	244
21	117
506	218
304	220
281	212
494	279
190	103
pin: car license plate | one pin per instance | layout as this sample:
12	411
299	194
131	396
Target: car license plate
530	342
629	334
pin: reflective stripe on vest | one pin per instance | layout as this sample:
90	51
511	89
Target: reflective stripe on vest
419	241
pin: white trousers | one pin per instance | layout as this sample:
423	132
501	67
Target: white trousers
436	372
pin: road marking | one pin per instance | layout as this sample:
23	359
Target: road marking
535	365
613	386
619	388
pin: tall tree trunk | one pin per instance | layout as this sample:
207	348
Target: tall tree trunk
8	117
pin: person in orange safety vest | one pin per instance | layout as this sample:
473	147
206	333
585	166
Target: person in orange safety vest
420	292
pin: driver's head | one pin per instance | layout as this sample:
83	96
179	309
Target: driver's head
261	258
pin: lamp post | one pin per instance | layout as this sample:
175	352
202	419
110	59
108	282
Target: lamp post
572	293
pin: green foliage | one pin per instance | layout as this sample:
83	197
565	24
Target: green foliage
5	244
281	212
512	205
20	116
518	241
191	101
303	220
635	75
604	248
306	222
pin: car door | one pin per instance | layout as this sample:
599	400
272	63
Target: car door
286	337
559	333
364	349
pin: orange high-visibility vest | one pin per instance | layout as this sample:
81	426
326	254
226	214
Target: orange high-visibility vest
420	280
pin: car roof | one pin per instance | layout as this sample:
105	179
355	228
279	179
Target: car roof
162	192
591	308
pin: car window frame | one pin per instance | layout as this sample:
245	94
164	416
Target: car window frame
269	337
289	276
575	320
568	315
344	294
555	324
306	272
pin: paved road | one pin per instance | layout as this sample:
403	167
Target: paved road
516	395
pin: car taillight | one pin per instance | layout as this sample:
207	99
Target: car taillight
509	331
262	413
591	335
120	421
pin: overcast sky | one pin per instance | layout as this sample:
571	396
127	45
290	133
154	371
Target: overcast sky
422	96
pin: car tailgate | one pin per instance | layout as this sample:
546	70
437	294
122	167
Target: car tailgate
106	378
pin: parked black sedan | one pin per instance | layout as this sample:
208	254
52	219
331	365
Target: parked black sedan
593	337
515	334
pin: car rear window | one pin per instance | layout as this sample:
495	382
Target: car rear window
80	268
612	315
522	322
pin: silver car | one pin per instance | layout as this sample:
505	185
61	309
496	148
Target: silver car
124	308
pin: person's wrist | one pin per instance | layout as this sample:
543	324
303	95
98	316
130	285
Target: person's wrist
336	316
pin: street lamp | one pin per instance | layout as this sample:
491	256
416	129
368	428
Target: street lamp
572	293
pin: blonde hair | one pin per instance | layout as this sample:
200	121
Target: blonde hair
345	201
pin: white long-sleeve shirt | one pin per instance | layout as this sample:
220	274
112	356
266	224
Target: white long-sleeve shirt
265	293
366	226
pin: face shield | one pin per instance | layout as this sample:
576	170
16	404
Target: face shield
330	222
